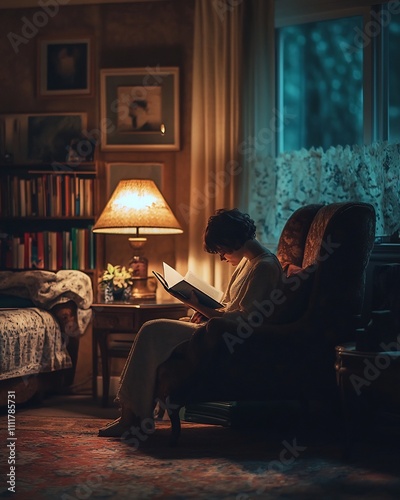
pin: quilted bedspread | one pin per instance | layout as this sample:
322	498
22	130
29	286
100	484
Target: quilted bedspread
30	342
31	339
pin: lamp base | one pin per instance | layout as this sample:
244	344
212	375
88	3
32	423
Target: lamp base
144	288
138	262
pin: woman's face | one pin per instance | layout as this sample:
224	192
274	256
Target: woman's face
233	257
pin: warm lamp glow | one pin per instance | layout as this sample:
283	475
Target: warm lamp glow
137	207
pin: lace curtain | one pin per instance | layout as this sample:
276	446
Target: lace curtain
344	173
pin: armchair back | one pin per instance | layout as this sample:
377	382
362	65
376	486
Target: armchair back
337	247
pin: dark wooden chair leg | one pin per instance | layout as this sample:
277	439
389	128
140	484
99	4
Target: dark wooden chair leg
175	426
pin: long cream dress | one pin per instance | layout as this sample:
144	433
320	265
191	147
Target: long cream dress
252	281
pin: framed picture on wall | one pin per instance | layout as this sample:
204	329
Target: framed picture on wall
140	109
65	67
40	138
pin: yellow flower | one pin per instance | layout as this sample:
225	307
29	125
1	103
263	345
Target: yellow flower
119	277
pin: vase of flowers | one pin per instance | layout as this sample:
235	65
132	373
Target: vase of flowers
116	282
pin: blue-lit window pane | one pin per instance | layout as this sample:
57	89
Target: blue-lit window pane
320	84
394	79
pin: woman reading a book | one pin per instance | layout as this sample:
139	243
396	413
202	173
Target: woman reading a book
258	273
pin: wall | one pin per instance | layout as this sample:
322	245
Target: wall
125	35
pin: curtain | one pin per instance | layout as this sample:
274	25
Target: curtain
259	120
215	173
369	173
233	117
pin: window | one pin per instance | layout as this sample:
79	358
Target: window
320	84
338	78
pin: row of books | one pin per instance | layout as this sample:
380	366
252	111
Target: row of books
47	195
49	250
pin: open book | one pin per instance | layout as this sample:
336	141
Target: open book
181	287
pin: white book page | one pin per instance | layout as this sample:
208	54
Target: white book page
203	286
171	276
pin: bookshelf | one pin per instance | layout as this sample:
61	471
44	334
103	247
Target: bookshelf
46	216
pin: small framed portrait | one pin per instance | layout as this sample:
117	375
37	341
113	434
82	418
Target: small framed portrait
65	67
139	109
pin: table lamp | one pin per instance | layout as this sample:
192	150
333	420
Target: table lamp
137	208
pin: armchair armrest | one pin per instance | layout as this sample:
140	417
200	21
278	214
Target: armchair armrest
295	334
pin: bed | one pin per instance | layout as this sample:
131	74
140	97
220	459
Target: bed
43	314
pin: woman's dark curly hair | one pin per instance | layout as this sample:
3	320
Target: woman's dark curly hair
228	230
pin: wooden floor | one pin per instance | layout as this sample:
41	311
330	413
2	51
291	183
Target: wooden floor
68	405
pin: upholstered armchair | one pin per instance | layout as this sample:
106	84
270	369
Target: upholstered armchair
288	350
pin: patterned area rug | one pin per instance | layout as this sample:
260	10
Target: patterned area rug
64	459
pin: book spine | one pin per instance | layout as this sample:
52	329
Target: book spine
82	197
92	253
22	198
15	198
67	196
49	196
74	242
39	186
40	250
45	197
53	250
58	195
34	200
59	253
34	250
81	249
27	250
14	251
77	198
89	196
66	250
29	197
73	196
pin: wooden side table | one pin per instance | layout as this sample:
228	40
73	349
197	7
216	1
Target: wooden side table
368	384
124	319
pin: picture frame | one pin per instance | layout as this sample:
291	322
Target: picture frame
40	137
140	109
65	67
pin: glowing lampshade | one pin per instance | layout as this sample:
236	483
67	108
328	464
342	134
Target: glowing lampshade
137	207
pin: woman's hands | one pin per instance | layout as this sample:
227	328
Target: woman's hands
202	313
193	303
198	318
